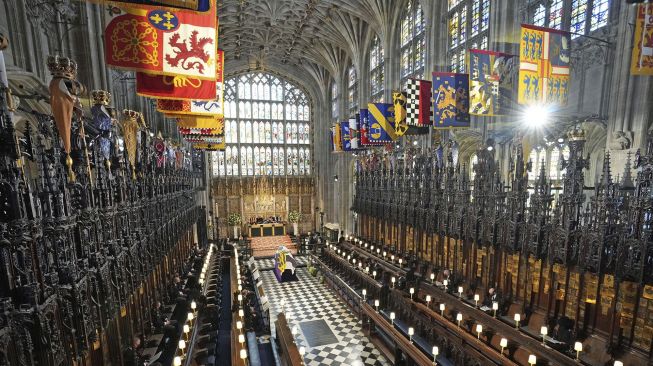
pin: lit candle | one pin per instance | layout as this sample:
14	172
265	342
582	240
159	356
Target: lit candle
532	360
578	347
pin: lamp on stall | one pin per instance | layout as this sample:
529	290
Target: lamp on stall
182	346
392	257
578	347
411	331
243	355
428	300
459	318
302	351
532	360
392	318
176	361
385	254
435	351
479	330
186	330
412	291
239	325
393	279
378	251
190	318
241	313
367	269
476	298
400	260
503	343
193	305
460	292
240	299
376	304
517	320
374	274
241	339
442	307
445	283
544	331
240	288
618	363
495	307
364	294
372	247
432	277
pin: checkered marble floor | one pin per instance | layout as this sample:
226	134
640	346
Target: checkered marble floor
308	299
269	262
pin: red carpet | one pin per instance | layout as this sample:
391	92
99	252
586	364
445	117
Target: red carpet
267	246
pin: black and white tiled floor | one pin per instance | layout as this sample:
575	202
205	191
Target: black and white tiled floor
308	299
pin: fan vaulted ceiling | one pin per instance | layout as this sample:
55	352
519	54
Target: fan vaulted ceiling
316	35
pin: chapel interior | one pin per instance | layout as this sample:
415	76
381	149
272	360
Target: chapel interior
326	182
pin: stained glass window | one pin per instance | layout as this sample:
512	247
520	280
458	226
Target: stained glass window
554	164
469	23
377	64
600	10
413	44
539	16
578	17
264	115
352	90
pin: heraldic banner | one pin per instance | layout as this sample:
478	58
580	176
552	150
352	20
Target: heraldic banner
544	66
345	135
418	103
381	128
162	41
182	87
490	82
450	100
195	5
642	58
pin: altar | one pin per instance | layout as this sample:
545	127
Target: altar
271	229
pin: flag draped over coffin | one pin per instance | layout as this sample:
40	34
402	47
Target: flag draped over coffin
490	82
418	104
642	57
162	41
544	66
450	100
381	128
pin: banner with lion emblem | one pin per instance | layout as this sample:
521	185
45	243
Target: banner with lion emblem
450	100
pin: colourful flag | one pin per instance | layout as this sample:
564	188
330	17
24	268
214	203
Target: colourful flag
200	131
345	136
450	100
335	137
381	123
642	58
206	146
399	110
363	123
182	87
195	5
162	41
418	104
195	121
354	134
544	66
490	82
